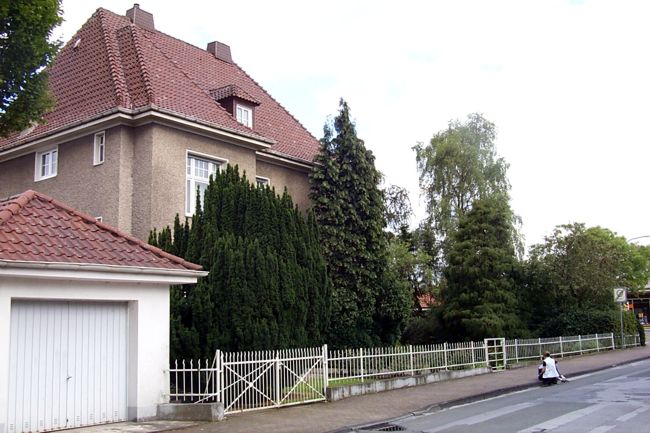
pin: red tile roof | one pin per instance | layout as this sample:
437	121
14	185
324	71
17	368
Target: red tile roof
111	65
37	228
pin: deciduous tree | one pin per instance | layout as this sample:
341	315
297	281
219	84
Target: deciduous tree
25	50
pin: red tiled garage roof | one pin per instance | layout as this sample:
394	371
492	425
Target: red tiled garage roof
113	65
37	228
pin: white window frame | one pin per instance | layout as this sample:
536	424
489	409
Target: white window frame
193	178
262	181
46	164
240	111
99	148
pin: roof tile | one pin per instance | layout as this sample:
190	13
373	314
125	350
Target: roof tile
37	228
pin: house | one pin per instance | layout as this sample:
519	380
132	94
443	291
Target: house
141	121
84	318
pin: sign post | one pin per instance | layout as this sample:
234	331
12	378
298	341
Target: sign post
620	296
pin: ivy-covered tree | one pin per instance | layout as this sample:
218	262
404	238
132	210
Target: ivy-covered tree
267	286
479	298
369	305
25	27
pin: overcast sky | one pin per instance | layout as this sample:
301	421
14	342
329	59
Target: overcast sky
566	83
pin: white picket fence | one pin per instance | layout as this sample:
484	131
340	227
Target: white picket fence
245	381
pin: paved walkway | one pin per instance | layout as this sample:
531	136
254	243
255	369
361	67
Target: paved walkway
369	409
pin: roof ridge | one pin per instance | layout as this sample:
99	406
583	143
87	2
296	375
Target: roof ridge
141	63
119	84
89	219
14	204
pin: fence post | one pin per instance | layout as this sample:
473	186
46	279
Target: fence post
613	343
473	355
487	353
504	347
411	359
217	374
517	350
326	373
277	379
446	360
580	343
539	343
561	348
361	357
597	343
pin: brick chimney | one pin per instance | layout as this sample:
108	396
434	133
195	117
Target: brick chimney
140	17
220	51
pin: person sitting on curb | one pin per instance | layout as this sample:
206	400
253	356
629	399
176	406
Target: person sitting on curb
550	374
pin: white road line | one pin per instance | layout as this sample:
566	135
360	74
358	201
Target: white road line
476	419
630	415
564	419
602	429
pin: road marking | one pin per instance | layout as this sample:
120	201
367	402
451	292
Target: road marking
602	429
564	419
476	419
630	415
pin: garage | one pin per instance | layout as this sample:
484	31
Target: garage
84	318
67	364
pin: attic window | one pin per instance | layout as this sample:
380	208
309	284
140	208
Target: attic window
245	115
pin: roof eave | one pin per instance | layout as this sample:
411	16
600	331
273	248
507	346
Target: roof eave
136	117
98	272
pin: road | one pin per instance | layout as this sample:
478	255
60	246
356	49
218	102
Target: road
616	400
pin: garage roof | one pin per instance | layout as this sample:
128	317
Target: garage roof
37	228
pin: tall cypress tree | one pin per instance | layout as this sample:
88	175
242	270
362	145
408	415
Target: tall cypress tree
349	208
267	286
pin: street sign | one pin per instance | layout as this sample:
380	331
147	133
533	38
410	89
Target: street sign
620	295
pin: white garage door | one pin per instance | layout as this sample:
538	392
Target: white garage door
67	364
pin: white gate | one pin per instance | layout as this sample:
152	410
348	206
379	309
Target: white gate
495	353
67	365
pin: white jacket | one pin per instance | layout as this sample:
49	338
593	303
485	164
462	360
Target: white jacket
551	369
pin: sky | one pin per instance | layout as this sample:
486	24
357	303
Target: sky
567	84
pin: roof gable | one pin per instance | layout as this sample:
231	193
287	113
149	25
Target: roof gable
113	65
37	228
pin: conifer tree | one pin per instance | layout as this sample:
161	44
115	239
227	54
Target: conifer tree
479	299
267	286
367	306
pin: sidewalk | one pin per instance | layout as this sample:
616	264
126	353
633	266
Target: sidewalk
369	409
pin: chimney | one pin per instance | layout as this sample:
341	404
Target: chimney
140	18
220	51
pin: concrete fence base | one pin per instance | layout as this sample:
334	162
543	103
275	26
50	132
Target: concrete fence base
335	393
190	412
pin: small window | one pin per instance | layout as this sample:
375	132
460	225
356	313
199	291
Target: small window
262	181
199	170
99	219
99	153
245	115
46	164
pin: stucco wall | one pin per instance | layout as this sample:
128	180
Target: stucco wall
78	183
297	182
148	355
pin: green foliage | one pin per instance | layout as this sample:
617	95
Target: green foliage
457	167
267	286
369	304
569	279
479	298
25	27
398	209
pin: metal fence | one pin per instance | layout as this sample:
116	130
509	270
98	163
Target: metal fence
246	381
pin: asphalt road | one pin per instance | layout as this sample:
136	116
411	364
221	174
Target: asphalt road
616	400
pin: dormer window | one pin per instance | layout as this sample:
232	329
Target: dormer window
245	115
